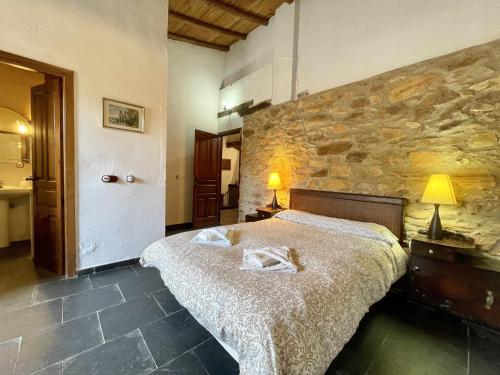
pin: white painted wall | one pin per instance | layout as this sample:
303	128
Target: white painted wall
194	78
256	86
271	46
342	41
117	49
264	45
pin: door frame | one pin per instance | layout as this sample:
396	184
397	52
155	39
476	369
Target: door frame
68	149
222	135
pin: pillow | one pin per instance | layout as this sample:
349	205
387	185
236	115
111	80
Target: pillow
381	230
356	228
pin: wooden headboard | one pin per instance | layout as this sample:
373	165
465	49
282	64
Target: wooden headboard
386	211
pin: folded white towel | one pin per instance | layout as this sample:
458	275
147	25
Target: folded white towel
217	236
268	259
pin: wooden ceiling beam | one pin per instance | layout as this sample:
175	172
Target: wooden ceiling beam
238	108
235	144
207	26
197	42
238	12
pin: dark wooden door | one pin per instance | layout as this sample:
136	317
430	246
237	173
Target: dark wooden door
206	190
47	175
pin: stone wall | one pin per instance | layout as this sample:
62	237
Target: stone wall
386	135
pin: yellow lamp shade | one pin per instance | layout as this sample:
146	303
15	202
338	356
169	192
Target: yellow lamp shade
274	181
439	190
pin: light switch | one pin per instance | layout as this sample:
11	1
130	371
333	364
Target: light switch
109	178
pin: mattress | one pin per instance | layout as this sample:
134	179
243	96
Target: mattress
281	323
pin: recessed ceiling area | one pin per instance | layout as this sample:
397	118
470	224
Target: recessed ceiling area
217	24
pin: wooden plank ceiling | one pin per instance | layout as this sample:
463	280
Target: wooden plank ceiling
218	23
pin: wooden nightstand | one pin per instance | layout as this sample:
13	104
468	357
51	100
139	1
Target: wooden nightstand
262	214
252	217
267	212
452	275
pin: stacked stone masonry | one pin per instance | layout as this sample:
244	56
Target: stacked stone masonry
386	135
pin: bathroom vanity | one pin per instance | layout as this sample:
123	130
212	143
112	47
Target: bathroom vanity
12	195
15	166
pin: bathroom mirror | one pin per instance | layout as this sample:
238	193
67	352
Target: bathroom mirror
15	138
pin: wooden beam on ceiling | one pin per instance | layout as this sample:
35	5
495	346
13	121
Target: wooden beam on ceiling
197	42
238	108
254	108
238	12
207	26
235	144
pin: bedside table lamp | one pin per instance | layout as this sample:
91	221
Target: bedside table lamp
438	191
274	183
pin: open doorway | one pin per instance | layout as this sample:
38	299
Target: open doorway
37	221
230	177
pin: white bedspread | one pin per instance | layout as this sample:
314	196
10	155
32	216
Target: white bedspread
280	323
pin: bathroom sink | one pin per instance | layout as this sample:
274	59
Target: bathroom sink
8	192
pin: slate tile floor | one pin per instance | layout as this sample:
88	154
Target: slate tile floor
125	321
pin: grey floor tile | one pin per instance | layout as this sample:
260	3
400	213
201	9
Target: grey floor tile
56	343
16	298
55	369
91	301
61	288
167	301
173	335
360	351
420	350
132	289
32	318
19	275
127	355
147	282
140	270
8	356
484	353
112	277
186	364
215	359
119	320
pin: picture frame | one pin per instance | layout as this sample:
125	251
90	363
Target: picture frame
123	116
226	164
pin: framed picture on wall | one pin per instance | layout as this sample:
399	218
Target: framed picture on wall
226	164
124	116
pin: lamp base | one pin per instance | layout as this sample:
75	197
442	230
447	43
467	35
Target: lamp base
435	229
274	204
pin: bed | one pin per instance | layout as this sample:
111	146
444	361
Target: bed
283	323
